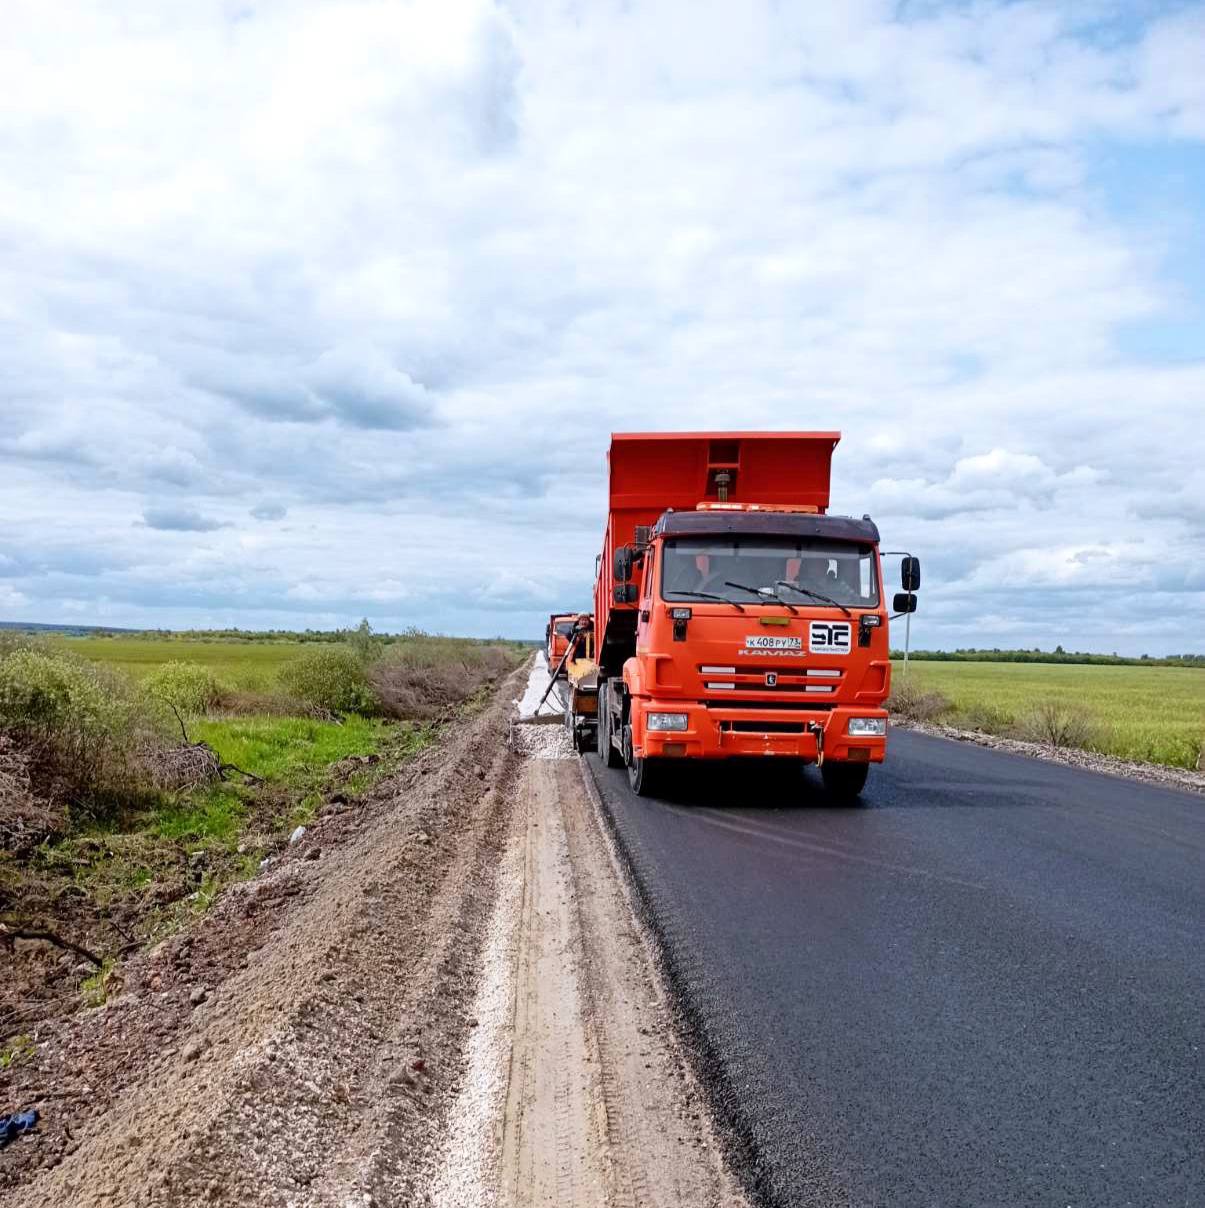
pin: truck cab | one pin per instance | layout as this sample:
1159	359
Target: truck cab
556	637
757	629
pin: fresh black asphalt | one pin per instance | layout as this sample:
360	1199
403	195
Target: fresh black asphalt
984	985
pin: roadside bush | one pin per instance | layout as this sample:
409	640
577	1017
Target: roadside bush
420	676
1059	725
909	701
331	678
81	726
25	819
988	719
50	692
190	687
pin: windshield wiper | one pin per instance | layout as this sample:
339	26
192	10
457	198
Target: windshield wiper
707	595
763	592
804	591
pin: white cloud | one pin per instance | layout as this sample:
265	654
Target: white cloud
386	276
179	520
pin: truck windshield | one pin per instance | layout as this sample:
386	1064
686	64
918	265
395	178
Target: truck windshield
837	569
564	628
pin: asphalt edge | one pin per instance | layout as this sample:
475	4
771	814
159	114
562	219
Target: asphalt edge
731	1126
1157	775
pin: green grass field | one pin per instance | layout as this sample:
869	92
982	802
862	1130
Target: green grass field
250	666
1156	714
154	855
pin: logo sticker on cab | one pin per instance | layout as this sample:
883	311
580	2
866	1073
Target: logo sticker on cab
830	637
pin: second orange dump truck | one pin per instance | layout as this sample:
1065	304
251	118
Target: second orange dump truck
557	635
734	616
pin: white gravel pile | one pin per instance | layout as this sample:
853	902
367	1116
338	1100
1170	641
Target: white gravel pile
540	734
537	683
542	742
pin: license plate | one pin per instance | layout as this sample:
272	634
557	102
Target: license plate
768	641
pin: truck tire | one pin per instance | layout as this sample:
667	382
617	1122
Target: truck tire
606	732
642	773
844	781
644	776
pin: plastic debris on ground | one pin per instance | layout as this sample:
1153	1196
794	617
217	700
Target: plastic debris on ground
12	1126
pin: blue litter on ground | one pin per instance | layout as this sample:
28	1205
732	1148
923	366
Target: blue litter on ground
11	1127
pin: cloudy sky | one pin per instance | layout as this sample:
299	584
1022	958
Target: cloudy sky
314	310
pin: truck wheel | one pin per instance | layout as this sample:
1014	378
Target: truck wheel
643	776
642	773
606	746
844	781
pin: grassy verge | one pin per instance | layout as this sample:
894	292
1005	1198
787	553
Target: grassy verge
125	854
245	666
1153	715
169	860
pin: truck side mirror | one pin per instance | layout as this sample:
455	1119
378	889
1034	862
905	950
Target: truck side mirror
904	601
910	575
623	564
625	593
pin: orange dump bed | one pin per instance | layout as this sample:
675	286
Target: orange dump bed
651	472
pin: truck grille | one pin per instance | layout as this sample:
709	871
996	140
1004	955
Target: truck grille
762	727
794	677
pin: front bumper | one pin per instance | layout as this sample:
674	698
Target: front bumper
718	732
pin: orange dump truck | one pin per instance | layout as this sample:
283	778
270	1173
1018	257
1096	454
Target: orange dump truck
734	616
556	636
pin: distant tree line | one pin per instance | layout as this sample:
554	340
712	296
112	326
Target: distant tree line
359	636
973	654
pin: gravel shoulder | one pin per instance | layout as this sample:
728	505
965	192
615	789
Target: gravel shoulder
1089	761
577	1094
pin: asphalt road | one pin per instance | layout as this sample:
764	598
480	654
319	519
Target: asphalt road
983	986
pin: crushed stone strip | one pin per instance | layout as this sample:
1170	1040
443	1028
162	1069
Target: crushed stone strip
1090	761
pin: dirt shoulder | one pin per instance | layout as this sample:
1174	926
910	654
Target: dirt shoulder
439	997
1110	765
301	1043
578	1094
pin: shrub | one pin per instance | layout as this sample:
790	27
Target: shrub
910	701
362	642
989	719
332	678
1059	725
53	692
189	687
82	726
421	676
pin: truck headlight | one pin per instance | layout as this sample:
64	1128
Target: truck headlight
665	721
864	727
